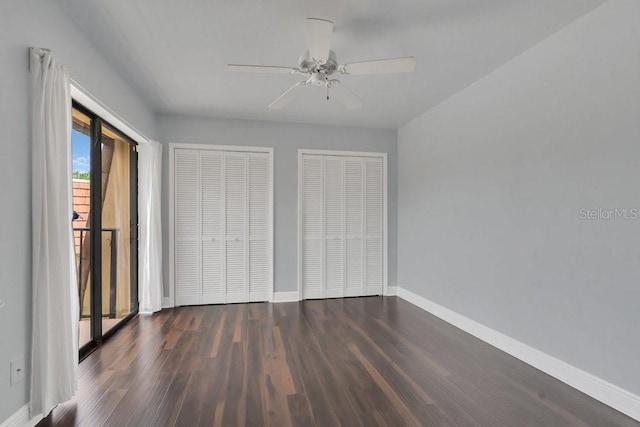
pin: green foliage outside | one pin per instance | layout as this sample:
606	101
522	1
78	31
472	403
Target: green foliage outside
80	175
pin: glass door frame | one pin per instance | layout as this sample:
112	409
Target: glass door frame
95	240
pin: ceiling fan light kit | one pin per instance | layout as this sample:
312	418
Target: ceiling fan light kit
319	63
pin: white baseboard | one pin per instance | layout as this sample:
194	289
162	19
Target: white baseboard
391	291
285	296
607	393
21	418
149	312
166	302
277	297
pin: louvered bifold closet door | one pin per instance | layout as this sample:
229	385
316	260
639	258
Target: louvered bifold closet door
187	227
259	219
212	220
342	225
222	225
312	257
373	202
334	223
354	222
236	226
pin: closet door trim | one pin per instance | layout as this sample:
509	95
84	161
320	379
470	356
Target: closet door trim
385	209
169	301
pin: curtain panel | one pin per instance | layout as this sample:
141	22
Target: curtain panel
149	194
54	357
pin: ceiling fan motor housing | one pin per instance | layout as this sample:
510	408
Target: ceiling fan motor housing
306	63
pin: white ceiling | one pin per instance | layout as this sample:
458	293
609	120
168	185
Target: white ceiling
174	52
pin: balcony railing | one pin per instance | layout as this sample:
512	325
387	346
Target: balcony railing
82	233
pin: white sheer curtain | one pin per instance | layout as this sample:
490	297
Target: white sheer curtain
149	185
54	358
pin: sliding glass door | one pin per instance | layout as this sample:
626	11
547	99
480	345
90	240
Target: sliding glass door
81	149
105	226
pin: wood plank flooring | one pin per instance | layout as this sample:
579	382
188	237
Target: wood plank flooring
351	362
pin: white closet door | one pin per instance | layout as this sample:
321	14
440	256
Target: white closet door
334	223
259	224
354	214
187	228
312	256
373	179
222	225
236	226
212	214
342	225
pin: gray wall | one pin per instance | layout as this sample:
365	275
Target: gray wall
491	184
27	23
286	138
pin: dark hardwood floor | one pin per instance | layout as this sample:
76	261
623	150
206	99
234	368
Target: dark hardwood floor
352	362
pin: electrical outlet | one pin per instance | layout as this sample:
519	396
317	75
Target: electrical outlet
17	370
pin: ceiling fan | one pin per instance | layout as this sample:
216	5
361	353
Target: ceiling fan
319	63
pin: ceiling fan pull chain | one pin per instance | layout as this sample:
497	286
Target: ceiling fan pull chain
327	92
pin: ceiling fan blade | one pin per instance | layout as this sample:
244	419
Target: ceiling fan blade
381	66
287	97
260	69
340	92
319	38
